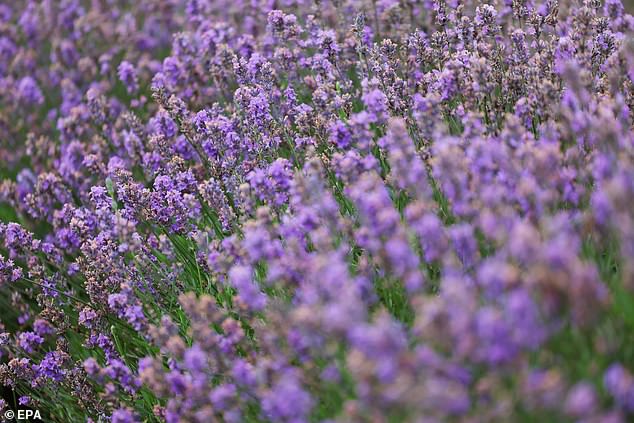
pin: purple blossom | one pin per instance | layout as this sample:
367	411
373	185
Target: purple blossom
123	415
241	277
51	366
28	341
29	91
362	211
340	135
287	400
620	384
128	75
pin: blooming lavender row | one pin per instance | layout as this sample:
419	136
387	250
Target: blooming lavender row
344	210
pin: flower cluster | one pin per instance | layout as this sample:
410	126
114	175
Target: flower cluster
350	210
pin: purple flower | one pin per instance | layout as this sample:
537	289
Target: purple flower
28	341
51	366
195	359
222	395
243	373
376	105
272	184
241	277
91	366
8	271
340	135
620	384
465	244
581	400
287	400
123	415
87	317
42	327
128	75
363	211
29	91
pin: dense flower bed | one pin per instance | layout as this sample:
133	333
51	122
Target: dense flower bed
287	211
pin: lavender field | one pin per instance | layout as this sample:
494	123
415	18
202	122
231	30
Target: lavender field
295	211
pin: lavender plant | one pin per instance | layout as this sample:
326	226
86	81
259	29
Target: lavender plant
295	211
